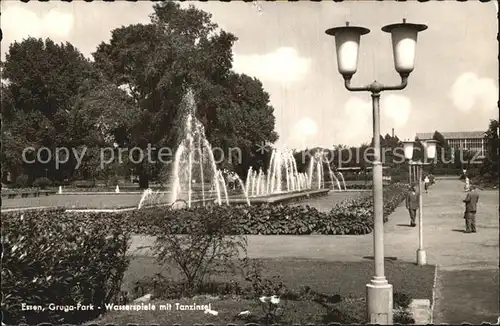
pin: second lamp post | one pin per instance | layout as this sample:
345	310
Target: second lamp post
404	39
429	154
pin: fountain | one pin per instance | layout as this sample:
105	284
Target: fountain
194	160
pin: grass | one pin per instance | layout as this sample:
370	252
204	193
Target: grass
75	201
470	296
348	279
228	309
114	201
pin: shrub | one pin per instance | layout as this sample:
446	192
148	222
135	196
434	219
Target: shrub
22	181
360	186
112	181
53	257
42	182
208	247
84	184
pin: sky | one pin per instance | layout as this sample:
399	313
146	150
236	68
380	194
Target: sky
454	86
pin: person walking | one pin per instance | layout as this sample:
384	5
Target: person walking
412	204
470	201
467	184
426	184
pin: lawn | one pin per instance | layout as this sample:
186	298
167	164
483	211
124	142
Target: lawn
75	201
461	291
112	201
348	279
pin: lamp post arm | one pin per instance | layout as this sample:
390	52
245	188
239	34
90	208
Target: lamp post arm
347	84
404	83
375	87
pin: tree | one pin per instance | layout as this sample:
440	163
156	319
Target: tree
43	79
180	50
443	150
491	162
101	119
418	150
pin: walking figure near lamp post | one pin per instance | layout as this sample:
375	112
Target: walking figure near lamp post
426	184
404	39
412	204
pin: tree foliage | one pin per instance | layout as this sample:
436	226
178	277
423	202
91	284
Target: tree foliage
131	95
179	50
42	82
491	163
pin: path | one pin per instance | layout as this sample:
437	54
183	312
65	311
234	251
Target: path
467	282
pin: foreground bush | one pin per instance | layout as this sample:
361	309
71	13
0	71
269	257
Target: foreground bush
207	249
50	257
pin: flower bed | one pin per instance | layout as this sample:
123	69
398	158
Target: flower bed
350	217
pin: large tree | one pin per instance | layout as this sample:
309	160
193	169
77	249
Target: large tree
179	50
42	79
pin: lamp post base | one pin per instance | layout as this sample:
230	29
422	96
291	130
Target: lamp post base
379	304
421	257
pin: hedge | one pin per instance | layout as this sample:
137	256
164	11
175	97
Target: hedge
50	257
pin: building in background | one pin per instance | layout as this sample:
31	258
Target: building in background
472	141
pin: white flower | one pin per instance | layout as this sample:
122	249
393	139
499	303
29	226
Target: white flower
212	312
263	299
244	313
275	299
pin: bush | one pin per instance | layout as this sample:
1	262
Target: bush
22	181
112	181
42	182
207	249
84	184
360	186
52	257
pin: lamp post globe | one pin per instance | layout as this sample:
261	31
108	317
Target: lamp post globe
404	42
430	148
347	39
408	149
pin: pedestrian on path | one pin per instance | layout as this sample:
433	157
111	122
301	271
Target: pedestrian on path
412	204
470	201
467	184
426	184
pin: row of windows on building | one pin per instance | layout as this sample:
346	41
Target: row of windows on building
466	140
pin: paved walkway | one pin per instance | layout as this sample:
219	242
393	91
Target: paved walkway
475	256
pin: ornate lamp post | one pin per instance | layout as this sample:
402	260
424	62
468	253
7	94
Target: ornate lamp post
430	153
404	40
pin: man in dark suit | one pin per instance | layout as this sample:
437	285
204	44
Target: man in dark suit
470	201
412	204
